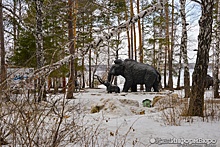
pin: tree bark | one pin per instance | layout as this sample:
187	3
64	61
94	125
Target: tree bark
161	54
167	47
71	82
135	46
179	71
170	48
127	31
39	48
14	24
183	49
3	69
132	31
75	37
196	104
90	63
216	54
140	40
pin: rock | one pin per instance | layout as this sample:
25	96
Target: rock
166	100
119	107
96	108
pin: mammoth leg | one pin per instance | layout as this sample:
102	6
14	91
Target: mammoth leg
118	90
127	85
156	87
149	84
152	81
148	88
134	88
110	89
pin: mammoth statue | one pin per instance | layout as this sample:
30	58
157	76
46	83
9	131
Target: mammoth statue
208	81
135	73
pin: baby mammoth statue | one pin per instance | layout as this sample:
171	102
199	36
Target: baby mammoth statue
135	73
109	87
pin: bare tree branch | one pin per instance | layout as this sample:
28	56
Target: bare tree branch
197	1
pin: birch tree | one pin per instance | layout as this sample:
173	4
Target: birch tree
196	104
183	49
39	48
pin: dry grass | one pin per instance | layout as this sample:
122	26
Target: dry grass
56	122
174	109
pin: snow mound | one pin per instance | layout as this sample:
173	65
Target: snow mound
119	107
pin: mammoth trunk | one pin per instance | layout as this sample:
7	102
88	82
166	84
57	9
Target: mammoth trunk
100	80
110	78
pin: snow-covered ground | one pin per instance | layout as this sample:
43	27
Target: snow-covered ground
112	120
122	118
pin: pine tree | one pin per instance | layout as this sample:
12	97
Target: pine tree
71	82
132	31
167	46
140	47
127	31
170	50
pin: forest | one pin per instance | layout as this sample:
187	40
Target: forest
70	39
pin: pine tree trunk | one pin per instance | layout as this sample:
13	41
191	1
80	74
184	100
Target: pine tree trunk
132	31
170	48
196	105
183	49
83	73
71	82
90	64
217	50
75	37
64	84
14	24
167	47
161	56
153	54
135	47
140	40
83	61
133	34
179	71
39	48
127	31
3	70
